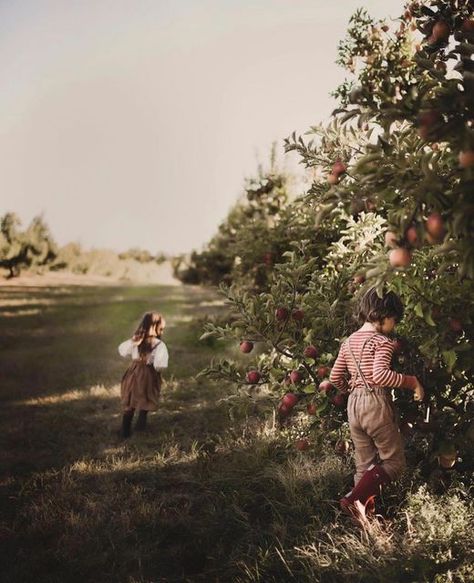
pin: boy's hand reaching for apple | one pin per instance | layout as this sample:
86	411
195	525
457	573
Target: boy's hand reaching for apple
419	391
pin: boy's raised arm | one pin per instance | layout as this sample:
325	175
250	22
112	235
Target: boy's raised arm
383	375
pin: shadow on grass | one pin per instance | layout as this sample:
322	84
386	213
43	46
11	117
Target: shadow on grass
186	499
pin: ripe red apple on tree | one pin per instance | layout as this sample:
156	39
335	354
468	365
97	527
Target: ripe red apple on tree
440	33
338	168
466	158
468	25
323	371
325	387
339	400
411	236
281	314
298	315
246	346
399	257
358	279
289	400
434	226
310	351
455	325
427	121
296	376
268	258
253	376
302	444
311	408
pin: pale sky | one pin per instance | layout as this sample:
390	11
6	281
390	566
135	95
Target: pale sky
134	122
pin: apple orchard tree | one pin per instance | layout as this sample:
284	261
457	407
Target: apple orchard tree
391	206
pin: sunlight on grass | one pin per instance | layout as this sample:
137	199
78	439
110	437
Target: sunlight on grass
96	392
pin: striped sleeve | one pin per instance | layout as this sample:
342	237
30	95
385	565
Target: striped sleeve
338	371
383	375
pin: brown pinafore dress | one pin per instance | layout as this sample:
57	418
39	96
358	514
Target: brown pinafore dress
141	385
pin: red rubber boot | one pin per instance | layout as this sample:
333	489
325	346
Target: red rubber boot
367	487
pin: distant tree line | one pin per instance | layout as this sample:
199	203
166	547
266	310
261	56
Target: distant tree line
34	248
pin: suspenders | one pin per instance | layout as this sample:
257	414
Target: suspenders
359	371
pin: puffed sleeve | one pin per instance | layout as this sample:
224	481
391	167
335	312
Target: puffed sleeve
125	349
161	356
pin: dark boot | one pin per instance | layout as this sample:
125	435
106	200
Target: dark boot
140	425
126	430
364	492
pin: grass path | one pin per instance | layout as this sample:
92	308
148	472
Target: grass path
211	493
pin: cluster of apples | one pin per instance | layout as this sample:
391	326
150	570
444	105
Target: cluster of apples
283	314
400	255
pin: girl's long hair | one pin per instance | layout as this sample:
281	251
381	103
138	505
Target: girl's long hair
151	327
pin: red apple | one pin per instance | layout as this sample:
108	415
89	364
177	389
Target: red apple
399	257
302	444
441	31
268	258
281	314
455	325
358	279
311	351
311	408
325	386
323	371
332	179
338	168
390	239
468	25
411	236
385	28
466	158
253	376
289	400
426	121
435	226
246	346
295	376
284	411
298	315
339	400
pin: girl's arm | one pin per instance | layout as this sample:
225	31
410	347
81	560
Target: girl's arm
383	375
338	371
125	349
161	357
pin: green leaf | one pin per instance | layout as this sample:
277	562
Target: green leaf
449	358
429	319
309	390
419	310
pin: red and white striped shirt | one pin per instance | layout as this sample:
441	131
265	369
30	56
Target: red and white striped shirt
374	363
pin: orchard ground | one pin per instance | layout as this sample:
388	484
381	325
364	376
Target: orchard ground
212	492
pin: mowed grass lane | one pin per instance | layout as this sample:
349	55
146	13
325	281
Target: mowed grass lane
213	492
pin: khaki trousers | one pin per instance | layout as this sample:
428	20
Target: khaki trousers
373	422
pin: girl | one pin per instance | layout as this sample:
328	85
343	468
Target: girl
141	383
366	356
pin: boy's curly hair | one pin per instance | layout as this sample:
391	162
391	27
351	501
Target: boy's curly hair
373	308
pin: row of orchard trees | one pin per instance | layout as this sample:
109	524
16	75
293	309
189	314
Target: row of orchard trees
391	206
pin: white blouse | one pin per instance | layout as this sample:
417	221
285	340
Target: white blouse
158	357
